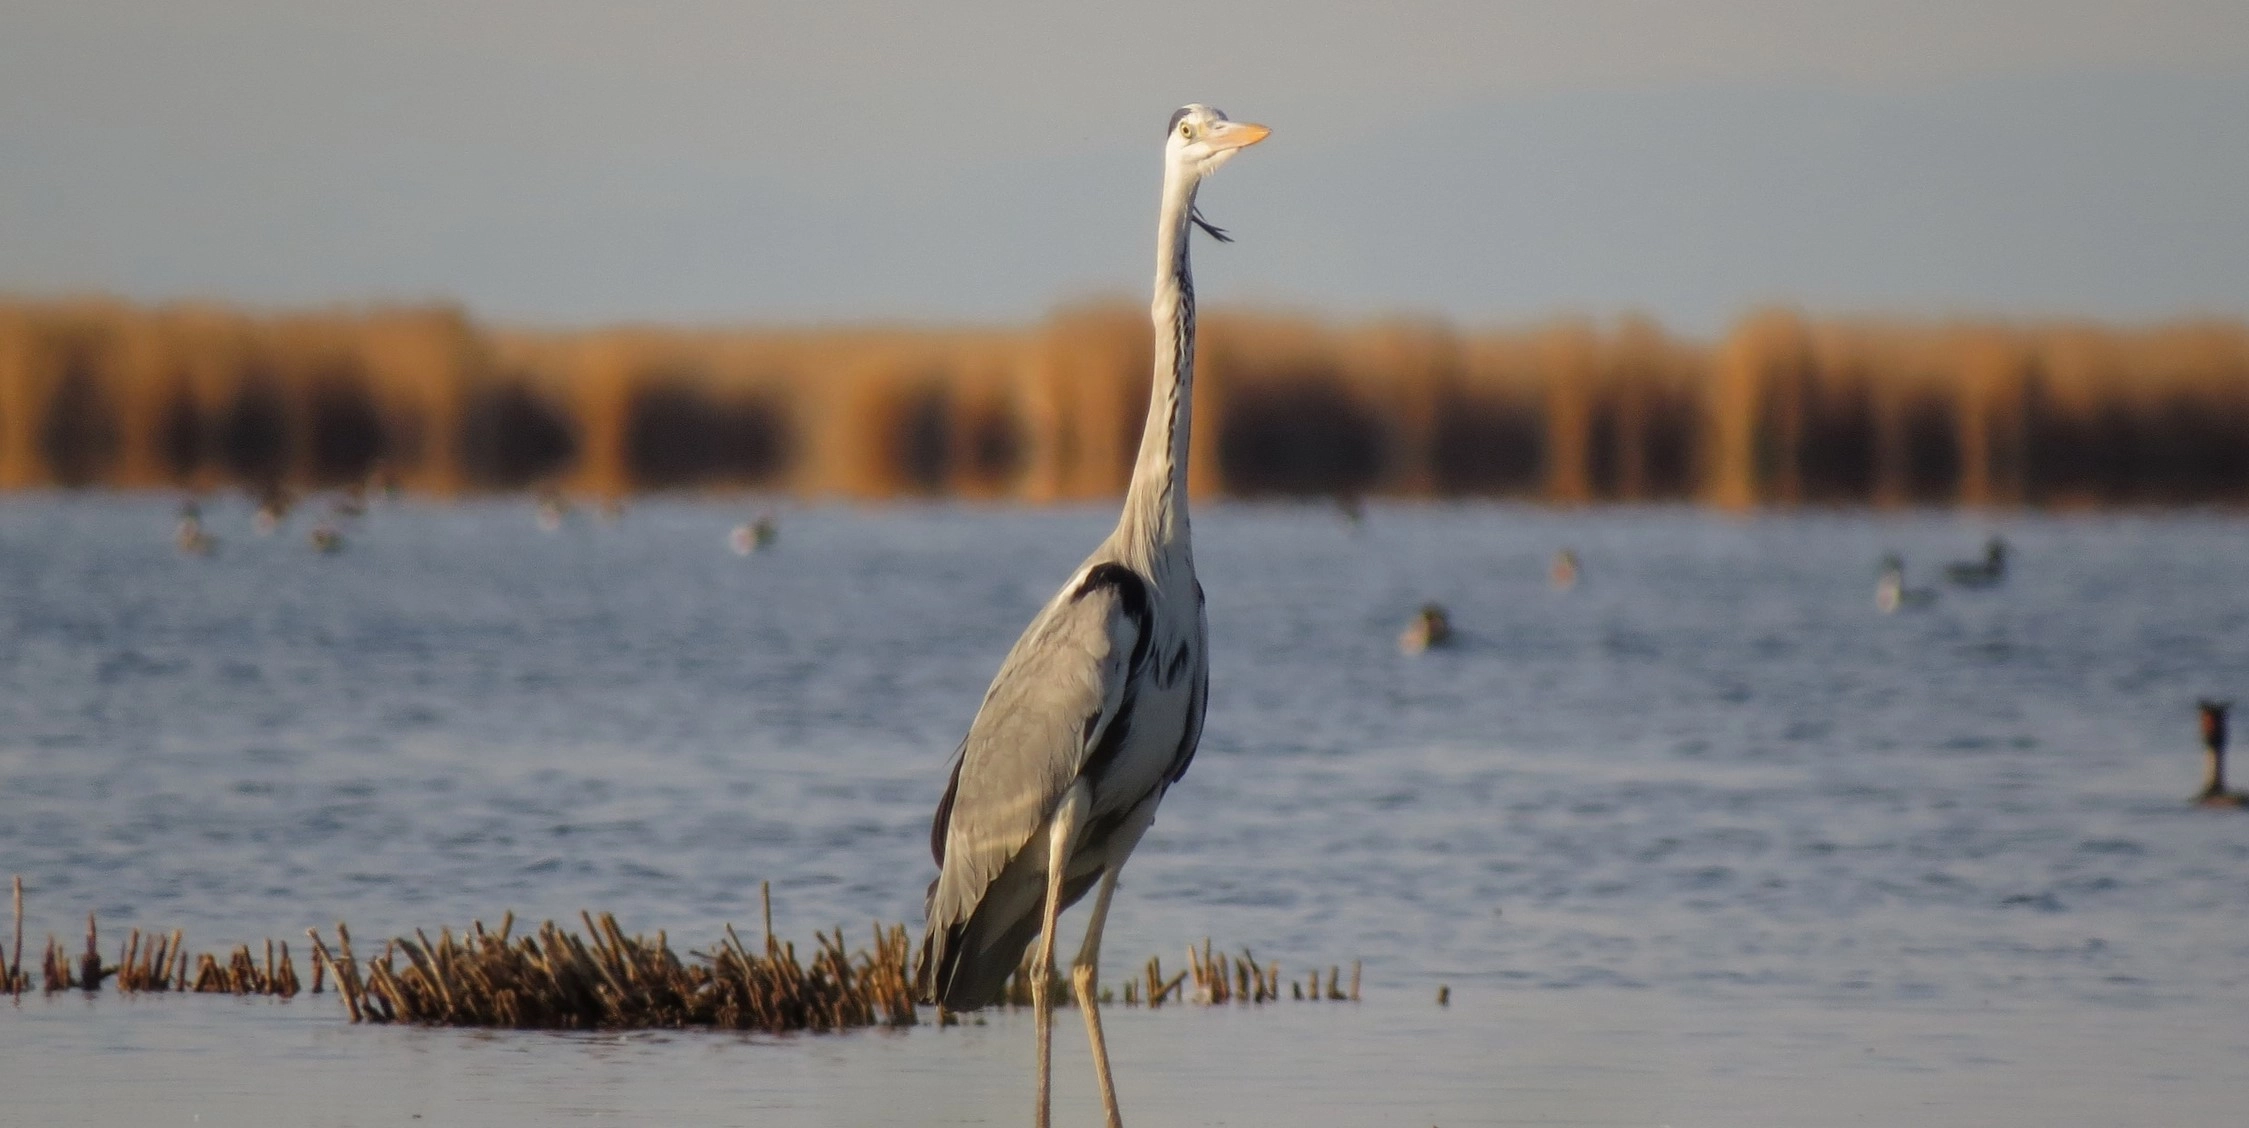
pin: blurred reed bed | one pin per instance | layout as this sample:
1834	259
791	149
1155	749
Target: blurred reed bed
1784	410
552	978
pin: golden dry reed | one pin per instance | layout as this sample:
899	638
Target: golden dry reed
154	962
603	979
1784	410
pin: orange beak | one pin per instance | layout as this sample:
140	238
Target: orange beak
1228	135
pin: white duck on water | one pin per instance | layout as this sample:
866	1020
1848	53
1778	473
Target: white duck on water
1890	593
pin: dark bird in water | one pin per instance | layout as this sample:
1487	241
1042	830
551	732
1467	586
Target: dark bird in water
1430	628
2214	793
1980	573
1098	707
326	538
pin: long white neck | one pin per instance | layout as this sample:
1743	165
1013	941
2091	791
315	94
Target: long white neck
1155	510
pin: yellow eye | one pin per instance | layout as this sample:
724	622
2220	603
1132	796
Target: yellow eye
1186	131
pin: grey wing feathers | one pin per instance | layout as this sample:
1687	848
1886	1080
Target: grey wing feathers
1054	695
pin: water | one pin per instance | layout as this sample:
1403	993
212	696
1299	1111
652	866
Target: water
1705	841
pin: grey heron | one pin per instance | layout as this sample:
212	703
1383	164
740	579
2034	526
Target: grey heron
1098	707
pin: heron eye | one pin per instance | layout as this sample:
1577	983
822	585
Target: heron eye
1186	131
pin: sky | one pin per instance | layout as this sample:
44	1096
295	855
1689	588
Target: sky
567	162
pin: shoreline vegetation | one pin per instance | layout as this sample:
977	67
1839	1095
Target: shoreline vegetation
1783	410
554	979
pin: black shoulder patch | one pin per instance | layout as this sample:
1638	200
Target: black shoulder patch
1112	744
1132	595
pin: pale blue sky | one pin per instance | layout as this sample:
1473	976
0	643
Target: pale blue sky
564	161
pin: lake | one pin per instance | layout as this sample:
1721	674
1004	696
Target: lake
1706	840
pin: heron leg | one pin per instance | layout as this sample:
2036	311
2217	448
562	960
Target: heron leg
1085	972
1060	837
1085	976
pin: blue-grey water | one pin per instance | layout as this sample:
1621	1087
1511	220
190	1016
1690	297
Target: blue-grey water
1706	840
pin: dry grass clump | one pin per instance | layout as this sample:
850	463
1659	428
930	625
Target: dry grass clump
1211	978
156	962
603	979
555	979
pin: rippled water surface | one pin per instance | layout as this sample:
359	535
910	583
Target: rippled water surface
1706	840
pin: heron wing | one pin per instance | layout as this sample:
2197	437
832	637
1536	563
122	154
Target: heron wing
1062	685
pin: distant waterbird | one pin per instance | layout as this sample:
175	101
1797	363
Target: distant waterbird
273	509
1890	593
1562	571
1986	572
753	536
1098	707
326	538
553	509
189	534
2214	793
1430	628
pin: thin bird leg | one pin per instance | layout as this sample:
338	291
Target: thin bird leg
1085	976
1059	839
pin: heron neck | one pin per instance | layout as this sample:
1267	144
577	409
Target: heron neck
1155	512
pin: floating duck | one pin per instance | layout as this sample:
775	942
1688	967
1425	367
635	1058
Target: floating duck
554	509
2214	793
1563	571
189	534
1890	592
754	536
1430	627
273	509
1980	573
327	539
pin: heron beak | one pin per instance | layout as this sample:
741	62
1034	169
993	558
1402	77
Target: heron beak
1228	136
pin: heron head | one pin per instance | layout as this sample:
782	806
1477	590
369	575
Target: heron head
1203	138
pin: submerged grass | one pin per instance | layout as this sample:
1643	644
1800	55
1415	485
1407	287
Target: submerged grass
553	978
